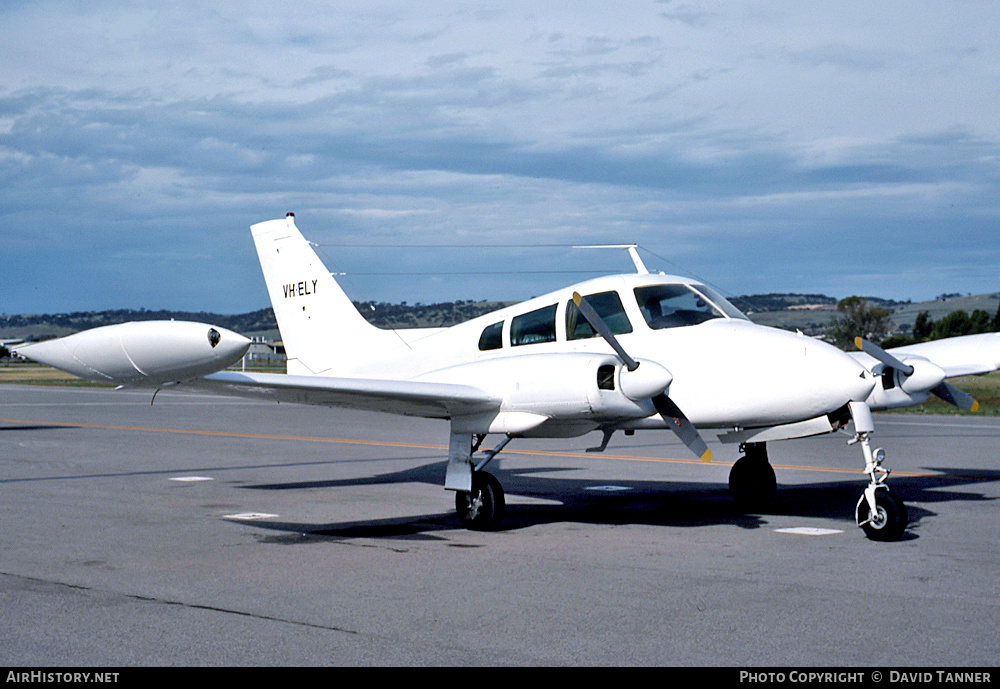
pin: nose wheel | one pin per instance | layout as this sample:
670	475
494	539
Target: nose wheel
887	521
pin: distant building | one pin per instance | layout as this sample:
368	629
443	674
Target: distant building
265	352
9	346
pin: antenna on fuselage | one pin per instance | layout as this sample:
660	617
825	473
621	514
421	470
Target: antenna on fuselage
633	252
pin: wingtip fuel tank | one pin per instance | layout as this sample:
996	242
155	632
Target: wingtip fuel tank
143	353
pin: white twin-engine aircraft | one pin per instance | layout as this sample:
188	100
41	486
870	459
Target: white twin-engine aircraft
617	353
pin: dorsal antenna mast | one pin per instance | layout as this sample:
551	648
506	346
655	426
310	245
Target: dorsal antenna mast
633	252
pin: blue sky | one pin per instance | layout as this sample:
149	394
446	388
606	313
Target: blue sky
456	150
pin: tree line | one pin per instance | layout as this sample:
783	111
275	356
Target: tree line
859	318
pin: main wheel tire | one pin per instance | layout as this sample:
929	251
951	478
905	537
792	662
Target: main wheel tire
890	518
752	484
483	508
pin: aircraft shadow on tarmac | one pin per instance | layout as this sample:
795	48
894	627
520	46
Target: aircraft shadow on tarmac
656	503
35	427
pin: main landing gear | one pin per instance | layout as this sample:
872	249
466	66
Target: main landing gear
482	507
751	480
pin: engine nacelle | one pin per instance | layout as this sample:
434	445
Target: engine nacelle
894	389
142	353
577	390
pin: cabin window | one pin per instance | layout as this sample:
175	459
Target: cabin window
534	327
673	306
492	337
608	306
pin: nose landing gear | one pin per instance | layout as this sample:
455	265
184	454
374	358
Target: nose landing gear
879	513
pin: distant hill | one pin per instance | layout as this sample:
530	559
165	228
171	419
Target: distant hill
756	303
259	323
810	313
425	315
59	324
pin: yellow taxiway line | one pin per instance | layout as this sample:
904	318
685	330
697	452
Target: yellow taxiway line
443	448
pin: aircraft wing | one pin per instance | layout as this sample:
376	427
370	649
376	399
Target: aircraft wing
967	355
411	398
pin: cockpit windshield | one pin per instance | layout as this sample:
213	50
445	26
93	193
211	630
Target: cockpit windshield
721	302
673	306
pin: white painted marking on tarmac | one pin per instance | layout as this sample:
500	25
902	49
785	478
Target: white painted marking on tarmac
530	500
608	489
808	531
250	516
191	479
957	423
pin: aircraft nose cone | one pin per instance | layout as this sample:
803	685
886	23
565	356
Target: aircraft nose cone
863	385
842	374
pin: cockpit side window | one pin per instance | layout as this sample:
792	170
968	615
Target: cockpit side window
534	326
492	337
608	306
673	306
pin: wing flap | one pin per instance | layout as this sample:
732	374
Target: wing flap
411	398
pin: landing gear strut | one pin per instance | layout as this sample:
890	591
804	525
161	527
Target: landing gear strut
879	513
751	480
480	502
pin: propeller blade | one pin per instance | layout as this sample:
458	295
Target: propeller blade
883	356
598	324
684	429
952	395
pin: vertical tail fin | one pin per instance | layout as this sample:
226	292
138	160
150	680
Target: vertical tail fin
322	330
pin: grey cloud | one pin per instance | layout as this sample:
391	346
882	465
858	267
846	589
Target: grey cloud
842	56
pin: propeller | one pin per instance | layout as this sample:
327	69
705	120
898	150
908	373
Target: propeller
666	407
929	376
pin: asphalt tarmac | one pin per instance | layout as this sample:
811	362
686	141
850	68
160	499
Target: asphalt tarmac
204	531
